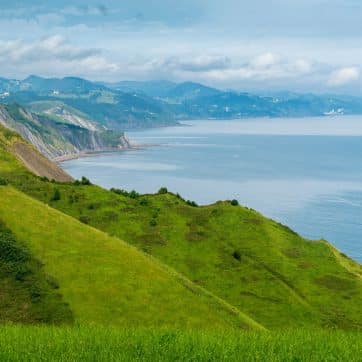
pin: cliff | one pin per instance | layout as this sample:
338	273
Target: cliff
60	138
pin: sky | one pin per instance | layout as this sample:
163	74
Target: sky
253	45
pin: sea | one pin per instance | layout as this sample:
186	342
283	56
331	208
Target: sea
303	172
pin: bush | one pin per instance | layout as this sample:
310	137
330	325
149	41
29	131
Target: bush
191	203
234	202
3	182
144	202
92	206
44	179
133	194
153	222
85	181
84	219
56	195
162	191
237	255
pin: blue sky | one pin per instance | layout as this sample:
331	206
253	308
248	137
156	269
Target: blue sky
260	45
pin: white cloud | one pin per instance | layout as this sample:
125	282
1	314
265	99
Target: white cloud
265	66
52	56
303	66
265	60
201	63
343	76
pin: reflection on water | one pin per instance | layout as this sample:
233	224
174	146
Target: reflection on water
306	173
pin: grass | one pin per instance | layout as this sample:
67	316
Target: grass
106	344
108	282
27	294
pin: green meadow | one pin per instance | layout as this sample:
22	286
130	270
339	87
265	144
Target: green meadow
106	344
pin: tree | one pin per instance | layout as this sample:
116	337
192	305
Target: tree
163	190
85	181
56	195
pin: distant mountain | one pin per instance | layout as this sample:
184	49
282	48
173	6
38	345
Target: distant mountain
131	105
113	109
151	88
166	90
228	105
193	100
190	90
65	85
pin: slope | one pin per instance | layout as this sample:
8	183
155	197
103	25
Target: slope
106	281
15	153
254	263
28	295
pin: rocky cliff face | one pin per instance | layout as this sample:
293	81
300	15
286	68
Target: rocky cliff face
57	139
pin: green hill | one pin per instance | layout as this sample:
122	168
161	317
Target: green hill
255	264
107	281
261	267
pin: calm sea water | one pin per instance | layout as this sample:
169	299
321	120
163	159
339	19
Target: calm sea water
306	173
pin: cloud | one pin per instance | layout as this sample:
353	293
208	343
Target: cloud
52	55
344	76
264	66
84	10
266	60
202	63
54	47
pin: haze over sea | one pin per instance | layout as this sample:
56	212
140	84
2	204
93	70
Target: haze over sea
306	173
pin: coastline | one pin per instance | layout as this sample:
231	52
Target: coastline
90	153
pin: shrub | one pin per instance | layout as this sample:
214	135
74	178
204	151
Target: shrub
3	182
44	179
191	203
144	202
92	206
153	222
84	219
162	190
234	202
85	181
56	195
237	255
133	194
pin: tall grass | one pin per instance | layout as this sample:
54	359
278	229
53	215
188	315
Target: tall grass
19	343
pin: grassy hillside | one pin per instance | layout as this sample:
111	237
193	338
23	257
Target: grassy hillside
96	344
257	265
107	281
28	295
